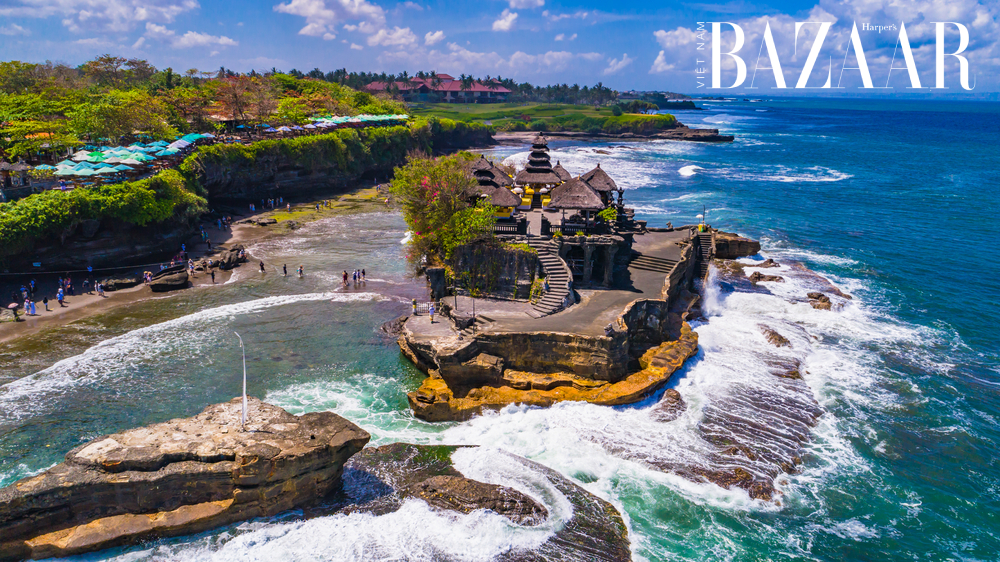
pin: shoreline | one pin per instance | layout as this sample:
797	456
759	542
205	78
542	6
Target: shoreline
681	133
242	231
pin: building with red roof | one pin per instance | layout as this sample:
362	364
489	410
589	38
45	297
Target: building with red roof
443	88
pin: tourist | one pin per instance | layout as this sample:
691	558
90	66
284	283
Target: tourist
363	277
60	297
209	242
345	277
213	277
284	269
262	267
414	304
430	311
34	312
86	286
27	307
301	271
100	289
45	302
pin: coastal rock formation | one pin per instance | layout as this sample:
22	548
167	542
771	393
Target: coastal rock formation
169	279
768	263
379	479
121	283
178	477
670	407
774	338
437	400
758	277
230	258
682	132
463	495
729	246
819	301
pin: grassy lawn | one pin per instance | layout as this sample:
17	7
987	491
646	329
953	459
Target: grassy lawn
545	117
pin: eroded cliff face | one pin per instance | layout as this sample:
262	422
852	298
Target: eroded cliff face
729	246
495	270
178	477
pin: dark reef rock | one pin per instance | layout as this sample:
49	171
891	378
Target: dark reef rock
230	258
768	263
819	301
121	283
729	246
758	277
774	338
670	407
170	279
174	478
379	479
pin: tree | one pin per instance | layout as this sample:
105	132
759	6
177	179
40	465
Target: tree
262	97
188	105
293	110
119	113
234	93
430	192
20	139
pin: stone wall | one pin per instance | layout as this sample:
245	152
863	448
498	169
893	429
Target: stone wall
495	270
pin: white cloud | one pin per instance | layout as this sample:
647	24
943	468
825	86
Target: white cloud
560	37
13	29
433	37
139	43
188	40
329	36
526	4
397	36
678	37
323	16
660	65
615	65
356	47
506	21
99	15
412	6
556	17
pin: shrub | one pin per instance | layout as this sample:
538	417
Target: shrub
616	110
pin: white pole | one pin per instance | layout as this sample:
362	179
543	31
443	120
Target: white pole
243	419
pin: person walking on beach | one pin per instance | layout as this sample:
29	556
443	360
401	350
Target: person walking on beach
100	290
213	277
262	270
34	312
45	303
345	277
364	278
60	297
301	271
284	269
27	307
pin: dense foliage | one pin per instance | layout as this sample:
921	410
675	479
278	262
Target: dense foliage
54	106
613	124
434	196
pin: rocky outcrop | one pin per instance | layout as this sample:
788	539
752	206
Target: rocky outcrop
230	258
819	301
768	263
670	407
178	477
729	246
170	279
774	338
121	283
494	270
682	132
379	479
457	493
758	277
437	400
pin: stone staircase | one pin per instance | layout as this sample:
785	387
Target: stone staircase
706	251
556	273
651	263
478	325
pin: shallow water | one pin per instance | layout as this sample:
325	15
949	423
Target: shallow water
901	465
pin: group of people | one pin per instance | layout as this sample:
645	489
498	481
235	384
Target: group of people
65	288
358	276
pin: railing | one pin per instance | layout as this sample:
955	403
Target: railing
425	307
505	228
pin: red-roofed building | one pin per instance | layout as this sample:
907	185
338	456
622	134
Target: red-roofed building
443	88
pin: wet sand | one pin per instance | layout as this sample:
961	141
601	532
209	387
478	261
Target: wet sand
89	304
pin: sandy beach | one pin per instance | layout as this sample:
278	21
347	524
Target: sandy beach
84	305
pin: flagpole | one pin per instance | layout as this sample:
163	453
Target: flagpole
243	419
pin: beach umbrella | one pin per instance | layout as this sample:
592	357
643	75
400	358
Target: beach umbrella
66	163
270	131
131	162
79	158
296	128
65	172
85	172
45	167
108	170
518	190
113	160
284	129
310	126
208	135
123	168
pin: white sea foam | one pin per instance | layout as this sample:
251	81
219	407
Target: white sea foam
691	170
110	358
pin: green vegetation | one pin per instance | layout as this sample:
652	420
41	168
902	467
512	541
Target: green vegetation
166	196
179	195
113	99
548	117
608	215
433	194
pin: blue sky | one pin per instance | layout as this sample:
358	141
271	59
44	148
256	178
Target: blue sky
626	44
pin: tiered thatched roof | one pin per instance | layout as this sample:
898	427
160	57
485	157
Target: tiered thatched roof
599	180
576	194
561	172
539	169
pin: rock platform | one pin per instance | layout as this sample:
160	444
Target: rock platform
178	477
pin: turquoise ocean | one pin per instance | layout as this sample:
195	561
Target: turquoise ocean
894	201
